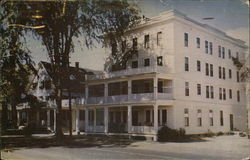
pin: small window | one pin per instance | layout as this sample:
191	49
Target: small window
146	62
198	89
159	61
224	73
229	54
238	96
207	91
186	89
199	66
219	51
135	44
186	111
221	118
211	120
220	73
146	41
198	43
159	38
206	46
134	64
207	69
212	92
230	93
230	73
223	52
220	93
210	48
185	39
211	70
186	64
238	76
224	94
199	117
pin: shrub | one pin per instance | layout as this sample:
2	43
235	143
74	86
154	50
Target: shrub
220	133
209	134
166	134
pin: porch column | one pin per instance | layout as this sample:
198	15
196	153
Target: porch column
54	119
155	87
86	119
106	119
77	121
106	92
155	121
48	119
86	93
18	118
129	118
129	89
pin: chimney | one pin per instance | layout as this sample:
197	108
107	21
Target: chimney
77	65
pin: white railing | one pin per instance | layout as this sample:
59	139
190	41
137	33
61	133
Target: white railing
96	100
117	99
129	71
142	129
141	97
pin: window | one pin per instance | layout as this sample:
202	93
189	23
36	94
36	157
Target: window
224	93
238	76
159	38
148	116
211	70
224	73
164	116
207	69
159	61
198	43
238	96
211	120
134	64
146	62
186	64
185	39
230	93
229	54
219	51
211	48
207	91
160	86
230	73
198	89
82	115
206	46
223	52
135	44
118	88
186	117
186	89
220	93
199	66
146	41
221	118
220	72
199	117
212	92
124	46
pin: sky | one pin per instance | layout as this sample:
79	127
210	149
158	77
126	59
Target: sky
230	16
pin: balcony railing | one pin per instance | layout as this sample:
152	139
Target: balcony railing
130	71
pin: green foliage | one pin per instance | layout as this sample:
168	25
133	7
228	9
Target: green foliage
166	134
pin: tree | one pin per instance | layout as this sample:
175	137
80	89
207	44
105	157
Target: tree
65	21
15	63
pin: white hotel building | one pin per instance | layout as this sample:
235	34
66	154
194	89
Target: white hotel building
183	77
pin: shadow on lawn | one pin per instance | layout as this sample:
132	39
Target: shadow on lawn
70	142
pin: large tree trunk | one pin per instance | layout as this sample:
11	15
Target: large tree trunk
4	117
14	115
59	132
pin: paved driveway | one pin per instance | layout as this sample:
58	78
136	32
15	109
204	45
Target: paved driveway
219	148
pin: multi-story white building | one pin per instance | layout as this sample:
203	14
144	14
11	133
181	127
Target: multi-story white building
182	76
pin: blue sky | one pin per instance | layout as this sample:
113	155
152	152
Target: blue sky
230	16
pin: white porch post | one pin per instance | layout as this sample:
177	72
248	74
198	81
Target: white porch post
48	119
86	119
86	93
106	92
155	87
54	119
129	118
18	118
106	119
77	121
129	89
155	121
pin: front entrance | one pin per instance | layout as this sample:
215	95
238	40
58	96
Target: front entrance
231	122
